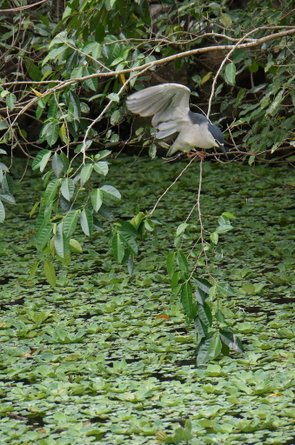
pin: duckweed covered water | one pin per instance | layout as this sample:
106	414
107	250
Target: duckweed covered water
108	357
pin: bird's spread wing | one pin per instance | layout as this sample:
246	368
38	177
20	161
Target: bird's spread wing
167	103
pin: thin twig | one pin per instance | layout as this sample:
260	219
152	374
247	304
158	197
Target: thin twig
170	186
22	8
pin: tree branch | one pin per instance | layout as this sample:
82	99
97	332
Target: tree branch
22	8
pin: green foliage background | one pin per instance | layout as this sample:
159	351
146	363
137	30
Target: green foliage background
67	70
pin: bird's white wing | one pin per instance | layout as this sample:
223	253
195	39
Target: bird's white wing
167	103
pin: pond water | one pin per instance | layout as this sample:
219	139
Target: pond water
108	357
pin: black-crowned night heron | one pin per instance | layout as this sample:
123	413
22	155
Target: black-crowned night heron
169	105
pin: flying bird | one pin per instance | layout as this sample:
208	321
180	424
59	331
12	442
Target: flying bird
168	103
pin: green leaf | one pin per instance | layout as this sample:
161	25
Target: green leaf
137	220
49	272
33	70
70	222
67	188
50	133
226	20
214	238
10	101
202	351
202	290
128	234
229	215
7	197
189	305
41	160
275	103
96	197
116	117
2	212
231	340
223	229
59	242
181	229
75	246
170	263
215	347
111	192
51	191
85	173
86	221
57	165
182	262
101	168
118	247
43	236
3	124
230	73
114	97
102	154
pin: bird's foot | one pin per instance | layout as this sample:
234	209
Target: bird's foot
197	154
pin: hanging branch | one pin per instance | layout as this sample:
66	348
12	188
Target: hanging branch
150	65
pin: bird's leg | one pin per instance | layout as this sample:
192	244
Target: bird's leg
197	154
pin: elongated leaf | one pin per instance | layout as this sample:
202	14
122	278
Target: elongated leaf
75	246
2	212
70	222
202	291
137	220
215	347
130	242
118	247
101	167
33	70
67	188
205	315
43	236
51	191
59	242
63	134
49	272
170	263
214	238
224	229
86	221
44	161
7	197
49	133
102	154
202	351
10	101
231	340
57	165
275	103
181	229
111	192
230	73
3	124
189	305
41	158
96	197
85	173
182	262
201	329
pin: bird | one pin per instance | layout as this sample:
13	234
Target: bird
169	105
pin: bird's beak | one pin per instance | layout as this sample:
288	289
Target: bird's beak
223	149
